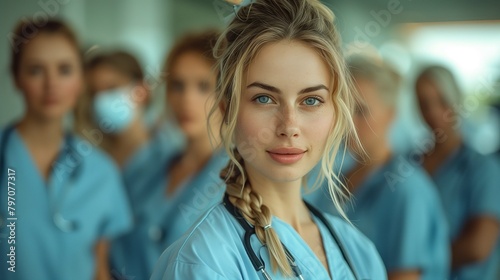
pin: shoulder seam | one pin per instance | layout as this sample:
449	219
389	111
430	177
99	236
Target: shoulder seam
193	230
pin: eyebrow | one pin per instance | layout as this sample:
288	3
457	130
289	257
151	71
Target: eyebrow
32	60
276	90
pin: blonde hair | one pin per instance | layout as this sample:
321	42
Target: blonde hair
260	23
375	69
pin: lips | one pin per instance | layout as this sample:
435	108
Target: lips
185	119
286	155
50	101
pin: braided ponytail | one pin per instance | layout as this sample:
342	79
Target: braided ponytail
255	25
255	212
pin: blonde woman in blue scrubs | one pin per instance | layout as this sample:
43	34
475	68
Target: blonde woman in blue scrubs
468	182
169	191
68	196
287	102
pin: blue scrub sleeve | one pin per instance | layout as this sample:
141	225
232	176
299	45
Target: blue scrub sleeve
485	188
182	270
410	236
118	217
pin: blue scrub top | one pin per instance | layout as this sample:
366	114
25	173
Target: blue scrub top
213	249
398	208
93	199
468	184
160	220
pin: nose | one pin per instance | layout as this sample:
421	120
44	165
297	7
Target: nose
50	80
287	122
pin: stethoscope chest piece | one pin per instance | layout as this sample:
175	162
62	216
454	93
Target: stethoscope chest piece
63	224
59	221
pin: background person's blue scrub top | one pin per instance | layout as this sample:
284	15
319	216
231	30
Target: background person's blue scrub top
397	207
213	249
95	202
469	186
160	220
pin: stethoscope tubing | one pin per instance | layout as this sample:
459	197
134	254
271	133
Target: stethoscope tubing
259	265
59	221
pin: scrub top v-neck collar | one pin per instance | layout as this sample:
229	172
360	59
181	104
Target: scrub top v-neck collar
308	262
52	186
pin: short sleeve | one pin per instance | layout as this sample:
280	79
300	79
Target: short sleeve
118	215
417	235
181	270
484	187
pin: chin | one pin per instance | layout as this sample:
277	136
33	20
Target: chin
190	131
284	174
52	114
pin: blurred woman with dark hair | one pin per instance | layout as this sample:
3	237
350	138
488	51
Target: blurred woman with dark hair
65	198
169	191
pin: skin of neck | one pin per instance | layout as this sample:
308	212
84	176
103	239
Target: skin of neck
444	146
284	199
41	132
379	155
199	148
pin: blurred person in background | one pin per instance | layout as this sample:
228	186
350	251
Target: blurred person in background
399	210
466	180
170	191
113	116
114	113
69	198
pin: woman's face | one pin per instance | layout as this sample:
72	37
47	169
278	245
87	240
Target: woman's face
50	76
432	105
285	113
104	77
190	93
372	117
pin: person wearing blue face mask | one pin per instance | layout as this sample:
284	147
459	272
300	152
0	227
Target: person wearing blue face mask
113	115
62	199
468	182
169	185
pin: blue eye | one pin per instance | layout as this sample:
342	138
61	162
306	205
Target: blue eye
263	99
312	101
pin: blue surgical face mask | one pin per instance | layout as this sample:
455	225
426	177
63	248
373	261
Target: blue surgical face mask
114	109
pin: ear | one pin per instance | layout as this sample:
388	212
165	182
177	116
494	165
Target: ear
142	94
222	107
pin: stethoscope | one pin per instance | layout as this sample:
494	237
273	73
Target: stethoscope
259	265
60	222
